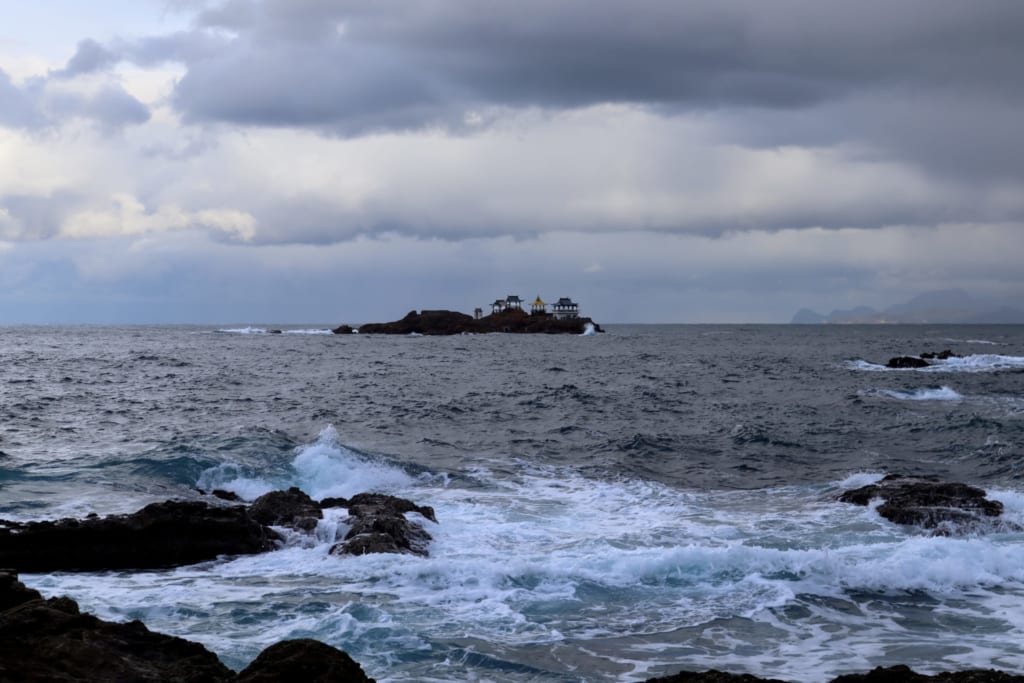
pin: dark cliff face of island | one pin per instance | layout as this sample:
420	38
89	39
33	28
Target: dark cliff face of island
452	322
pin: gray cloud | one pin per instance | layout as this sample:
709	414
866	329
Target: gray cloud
934	83
18	107
88	58
30	218
111	107
36	105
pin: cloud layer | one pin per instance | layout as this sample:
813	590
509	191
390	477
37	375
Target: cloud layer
708	127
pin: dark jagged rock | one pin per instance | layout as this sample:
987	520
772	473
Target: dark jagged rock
940	355
451	322
892	674
50	640
334	503
711	676
366	504
291	508
159	536
229	496
304	660
945	508
343	329
378	525
907	362
904	674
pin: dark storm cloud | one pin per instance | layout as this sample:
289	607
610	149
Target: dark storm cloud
581	52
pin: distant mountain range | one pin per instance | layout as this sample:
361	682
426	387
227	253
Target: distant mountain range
952	306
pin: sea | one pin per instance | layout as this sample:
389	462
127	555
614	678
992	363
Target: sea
611	507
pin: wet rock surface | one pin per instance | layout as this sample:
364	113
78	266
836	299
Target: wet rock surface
292	508
306	660
159	536
943	507
378	525
178	533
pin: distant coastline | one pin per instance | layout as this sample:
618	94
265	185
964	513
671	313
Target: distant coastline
948	307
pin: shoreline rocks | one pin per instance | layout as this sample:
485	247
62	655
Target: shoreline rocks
52	640
891	674
178	533
442	322
159	536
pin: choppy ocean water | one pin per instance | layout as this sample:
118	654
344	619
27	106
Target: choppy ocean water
612	507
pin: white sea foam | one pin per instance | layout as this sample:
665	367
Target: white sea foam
589	330
943	393
859	479
327	468
544	556
322	468
986	362
242	330
310	331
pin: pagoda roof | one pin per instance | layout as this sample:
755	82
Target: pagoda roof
539	301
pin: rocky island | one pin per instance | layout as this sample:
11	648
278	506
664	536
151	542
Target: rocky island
507	315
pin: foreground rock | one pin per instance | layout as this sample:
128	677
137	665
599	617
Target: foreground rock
892	674
452	322
945	508
309	661
378	525
51	640
159	536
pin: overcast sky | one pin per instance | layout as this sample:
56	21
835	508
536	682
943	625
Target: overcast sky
288	161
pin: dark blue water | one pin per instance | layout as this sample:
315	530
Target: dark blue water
611	507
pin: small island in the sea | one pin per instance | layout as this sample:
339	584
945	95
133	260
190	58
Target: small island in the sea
507	315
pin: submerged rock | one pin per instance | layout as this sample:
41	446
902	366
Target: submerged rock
940	355
907	362
306	660
378	525
159	536
945	508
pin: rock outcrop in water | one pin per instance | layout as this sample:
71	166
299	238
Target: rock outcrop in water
944	508
921	361
442	322
178	533
52	640
378	525
291	508
891	674
904	362
159	536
